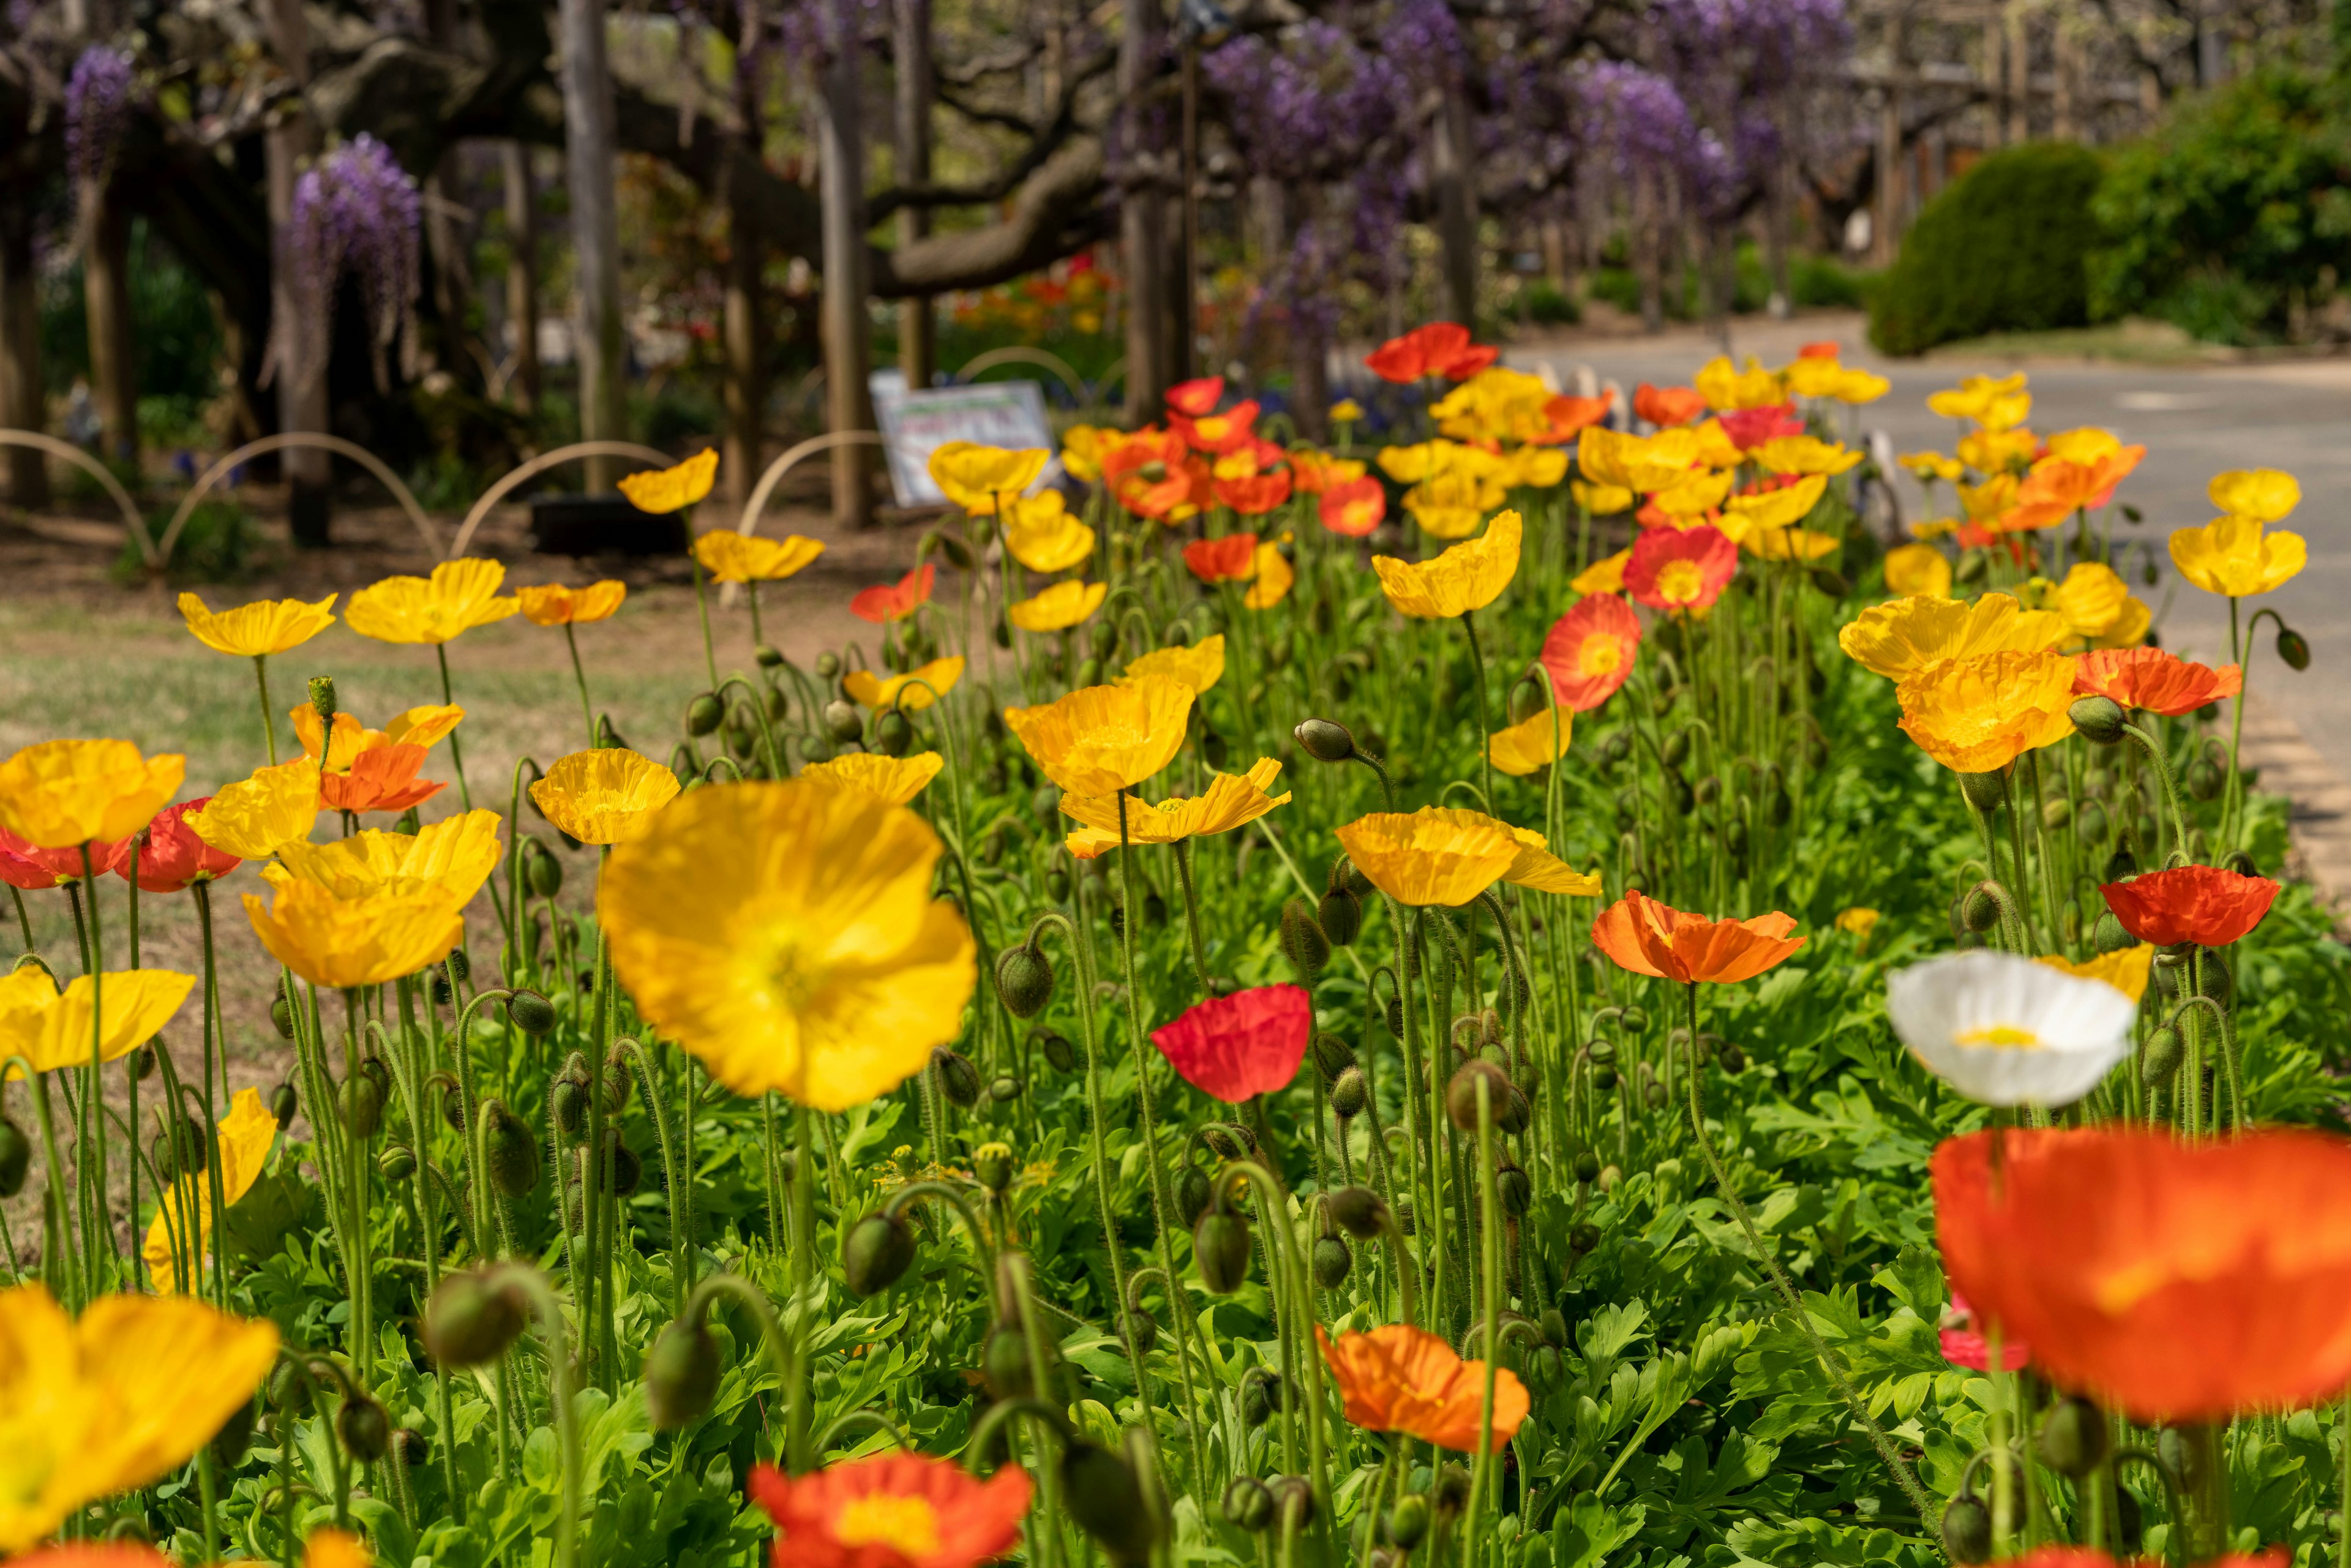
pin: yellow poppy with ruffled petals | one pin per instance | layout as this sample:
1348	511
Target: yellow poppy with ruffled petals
459	596
2126	970
1918	570
1933	465
451	859
1532	744
606	796
896	780
786	935
1044	535
1605	575
427	724
254	818
1726	388
2265	495
62	793
1230	801
1099	740
673	489
556	605
1600	500
1198	667
1780	508
1433	856
1895	640
1973	398
731	557
1998	451
1537	870
1272	580
1468	576
2099	607
1790	544
1804	454
258	629
1059	607
121	1397
247	1133
914	691
976	478
2236	557
1689	500
346	943
52	1029
1979	715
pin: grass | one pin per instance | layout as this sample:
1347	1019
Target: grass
2134	340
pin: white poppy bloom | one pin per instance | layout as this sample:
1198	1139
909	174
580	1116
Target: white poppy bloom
2007	1030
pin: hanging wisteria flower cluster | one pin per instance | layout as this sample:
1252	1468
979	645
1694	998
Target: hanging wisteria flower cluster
97	110
355	214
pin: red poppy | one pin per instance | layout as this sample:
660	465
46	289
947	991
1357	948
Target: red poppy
173	856
1257	494
1194	398
891	1510
1964	1344
1680	568
381	778
1399	1378
2177	1282
1666	406
1241	1045
1590	651
25	864
1565	418
1181	492
2152	679
1228	559
1439	349
1219	432
1647	938
1354	507
2206	905
1134	458
1823	351
2091	1557
895	602
1751	427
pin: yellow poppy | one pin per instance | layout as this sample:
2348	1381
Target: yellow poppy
2265	495
1975	396
1638	462
1230	801
556	605
731	557
254	818
1059	607
247	1133
1897	639
342	943
1605	575
2095	602
1915	570
1987	502
974	476
1082	449
1693	496
1537	870
1726	388
1044	535
1979	715
62	793
51	1029
258	629
914	691
673	489
2126	971
451	859
1099	740
331	1548
1856	387
116	1399
426	725
1532	744
1779	508
1346	411
2233	556
1859	921
1197	668
1805	455
459	596
606	796
1790	544
1467	577
1812	376
1933	465
1600	500
1534	467
1432	856
786	935
1272	581
896	780
2084	448
1998	451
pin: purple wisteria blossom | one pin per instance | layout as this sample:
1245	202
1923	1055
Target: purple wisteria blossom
355	214
98	111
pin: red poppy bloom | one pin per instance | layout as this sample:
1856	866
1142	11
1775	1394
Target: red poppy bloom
1228	559
1680	568
1194	398
2091	1557
1565	418
1665	406
27	865
1403	1379
1237	1046
1964	1344
2206	905
895	602
1183	490
1751	427
381	778
1590	651
173	856
1439	349
2178	1282
1822	350
1141	458
1647	938
1354	507
891	1510
1219	432
1257	494
2152	679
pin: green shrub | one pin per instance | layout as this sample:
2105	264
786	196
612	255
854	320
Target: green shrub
1551	305
2239	202
221	543
2005	249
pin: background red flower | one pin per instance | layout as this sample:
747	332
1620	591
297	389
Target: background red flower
1590	651
2205	904
895	602
1227	560
1246	1044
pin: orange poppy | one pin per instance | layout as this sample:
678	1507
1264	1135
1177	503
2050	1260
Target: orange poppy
1439	349
173	856
381	778
1219	432
1647	938
25	864
1257	494
1195	398
1665	407
2152	679
2205	904
1403	1379
1590	651
1680	568
1566	417
895	602
1232	559
891	1510
2177	1282
2056	488
1133	457
1354	507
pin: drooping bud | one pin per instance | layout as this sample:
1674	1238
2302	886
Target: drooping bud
531	1013
1980	908
2108	935
1331	1262
2099	718
1514	1189
1339	913
1461	1094
16	1157
892	735
2293	649
1358	1210
1192	1194
2204	779
1260	1389
1332	1056
1349	1095
682	1373
281	1017
1325	739
364	1428
1100	1489
1303	941
876	1251
958	1080
1220	1244
1966	1530
704	715
470	1320
1024	978
1987	792
1408	1521
2074	1437
842	721
509	1151
2165	1052
542	870
398	1162
1248	1505
1060	1054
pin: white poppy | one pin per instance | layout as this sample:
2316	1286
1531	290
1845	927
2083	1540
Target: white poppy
2006	1030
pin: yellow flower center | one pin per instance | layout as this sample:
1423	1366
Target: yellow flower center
1681	581
907	1525
1600	654
2002	1034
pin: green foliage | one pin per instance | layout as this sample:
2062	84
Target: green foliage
220	543
1551	305
2236	208
176	337
2004	249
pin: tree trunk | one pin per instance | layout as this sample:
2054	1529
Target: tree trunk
522	276
842	148
1143	218
297	321
598	347
1647	265
917	323
23	405
105	233
1457	206
744	338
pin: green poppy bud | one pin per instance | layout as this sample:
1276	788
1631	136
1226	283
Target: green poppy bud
1461	1095
1060	1054
1259	1390
287	1387
541	870
1358	1210
958	1080
2100	718
2213	980
1978	908
1100	1490
531	1013
2165	1052
281	1017
2107	935
2205	778
1024	979
994	1166
1331	1262
566	1106
1324	739
362	1104
1966	1530
1004	1362
876	1251
1140	1330
622	1168
398	1162
16	1157
1349	1095
704	715
682	1373
1192	1194
471	1319
1247	1504
2293	649
1585	1236
842	720
1587	1166
1732	1059
509	1151
893	736
1303	941
1553	1324
1515	1191
1339	917
2074	1437
364	1428
1220	1244
322	701
1987	792
1406	1524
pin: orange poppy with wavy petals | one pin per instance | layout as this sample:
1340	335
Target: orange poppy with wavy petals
1196	398
894	601
1403	1379
381	778
1232	559
1647	938
891	1510
1256	494
1590	651
1665	407
2152	679
1439	349
1680	568
1354	507
2206	905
